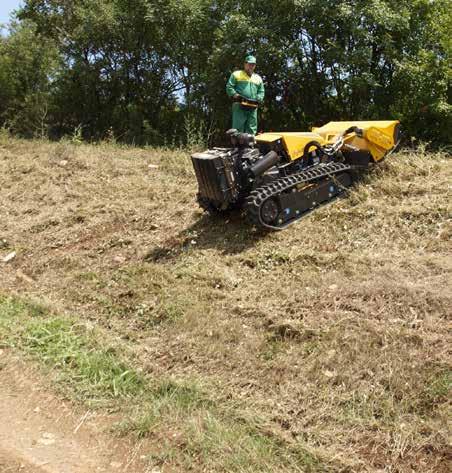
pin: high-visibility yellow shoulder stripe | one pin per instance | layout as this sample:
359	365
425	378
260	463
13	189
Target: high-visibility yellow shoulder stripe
242	76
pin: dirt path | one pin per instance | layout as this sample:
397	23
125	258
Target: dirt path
40	433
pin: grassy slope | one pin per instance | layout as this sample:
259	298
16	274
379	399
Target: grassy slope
320	348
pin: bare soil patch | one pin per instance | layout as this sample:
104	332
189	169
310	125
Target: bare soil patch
42	433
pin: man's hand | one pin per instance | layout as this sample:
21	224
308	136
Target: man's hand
236	97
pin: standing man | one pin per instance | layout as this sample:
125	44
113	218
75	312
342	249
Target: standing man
246	89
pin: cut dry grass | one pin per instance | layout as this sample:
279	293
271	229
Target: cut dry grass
206	431
330	338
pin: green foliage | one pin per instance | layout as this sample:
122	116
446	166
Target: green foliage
27	65
146	72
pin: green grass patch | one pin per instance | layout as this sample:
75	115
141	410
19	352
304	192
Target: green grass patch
88	276
192	429
271	349
441	385
233	446
183	395
229	444
437	391
12	311
165	402
191	434
88	370
12	307
92	371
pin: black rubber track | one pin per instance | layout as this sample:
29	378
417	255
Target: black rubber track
258	196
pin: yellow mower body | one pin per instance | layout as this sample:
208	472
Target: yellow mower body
278	177
377	138
294	142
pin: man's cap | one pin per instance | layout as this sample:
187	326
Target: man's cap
250	59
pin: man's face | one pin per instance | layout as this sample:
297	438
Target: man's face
249	68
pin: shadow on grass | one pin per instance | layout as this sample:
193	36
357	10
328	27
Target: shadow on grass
229	233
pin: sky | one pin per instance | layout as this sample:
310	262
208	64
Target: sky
6	7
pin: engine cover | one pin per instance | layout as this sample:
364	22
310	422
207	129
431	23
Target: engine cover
218	174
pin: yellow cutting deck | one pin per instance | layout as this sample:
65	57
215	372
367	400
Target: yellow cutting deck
378	137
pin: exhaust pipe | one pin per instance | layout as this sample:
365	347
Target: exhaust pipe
265	163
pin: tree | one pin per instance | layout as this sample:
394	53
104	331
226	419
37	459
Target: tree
26	70
142	68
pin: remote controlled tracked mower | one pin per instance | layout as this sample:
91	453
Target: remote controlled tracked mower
278	177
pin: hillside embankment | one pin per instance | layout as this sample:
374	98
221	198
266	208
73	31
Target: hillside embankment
322	348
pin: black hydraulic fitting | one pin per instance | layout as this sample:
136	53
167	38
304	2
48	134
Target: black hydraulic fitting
241	140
